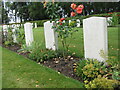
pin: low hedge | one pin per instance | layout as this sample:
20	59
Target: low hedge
40	23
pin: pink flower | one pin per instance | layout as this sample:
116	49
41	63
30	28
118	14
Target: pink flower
73	6
81	6
73	14
79	10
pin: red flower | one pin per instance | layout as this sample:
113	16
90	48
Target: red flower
73	6
79	10
73	14
110	13
60	24
62	19
81	6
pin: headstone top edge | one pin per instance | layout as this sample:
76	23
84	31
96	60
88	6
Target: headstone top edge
49	22
95	17
28	23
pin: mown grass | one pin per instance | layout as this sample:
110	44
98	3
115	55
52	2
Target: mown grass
20	72
77	43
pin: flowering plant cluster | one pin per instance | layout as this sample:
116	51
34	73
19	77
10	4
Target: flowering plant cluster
77	9
65	29
95	74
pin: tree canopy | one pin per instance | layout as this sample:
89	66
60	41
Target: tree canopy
31	11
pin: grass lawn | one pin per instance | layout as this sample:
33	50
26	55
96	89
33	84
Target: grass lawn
76	43
19	72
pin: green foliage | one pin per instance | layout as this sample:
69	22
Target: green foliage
116	75
8	37
93	68
114	19
20	36
80	65
40	23
114	62
39	55
102	83
53	10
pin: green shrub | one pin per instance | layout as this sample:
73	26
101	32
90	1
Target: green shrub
20	36
116	75
114	62
8	37
38	54
80	65
90	69
42	55
40	23
101	83
114	19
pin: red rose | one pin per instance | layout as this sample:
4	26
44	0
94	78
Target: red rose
62	19
79	10
73	14
81	6
73	6
60	24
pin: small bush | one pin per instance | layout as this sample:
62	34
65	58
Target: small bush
79	67
40	55
115	19
20	36
102	83
8	38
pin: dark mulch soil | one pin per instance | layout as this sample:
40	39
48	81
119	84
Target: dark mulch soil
14	47
64	66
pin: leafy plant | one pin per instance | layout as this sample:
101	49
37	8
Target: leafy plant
42	55
8	37
113	62
114	19
102	83
66	29
116	75
79	67
38	54
20	36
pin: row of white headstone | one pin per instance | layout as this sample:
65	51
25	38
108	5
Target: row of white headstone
95	37
16	26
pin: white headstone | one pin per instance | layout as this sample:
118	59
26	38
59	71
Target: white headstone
32	25
28	33
69	21
78	23
50	36
109	21
35	25
95	38
5	29
14	36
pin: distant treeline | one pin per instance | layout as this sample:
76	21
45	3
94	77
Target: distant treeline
32	11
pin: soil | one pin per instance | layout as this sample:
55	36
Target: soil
64	66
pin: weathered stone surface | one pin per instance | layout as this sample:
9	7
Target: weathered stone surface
50	36
95	38
28	33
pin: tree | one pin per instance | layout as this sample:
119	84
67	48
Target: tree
5	18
